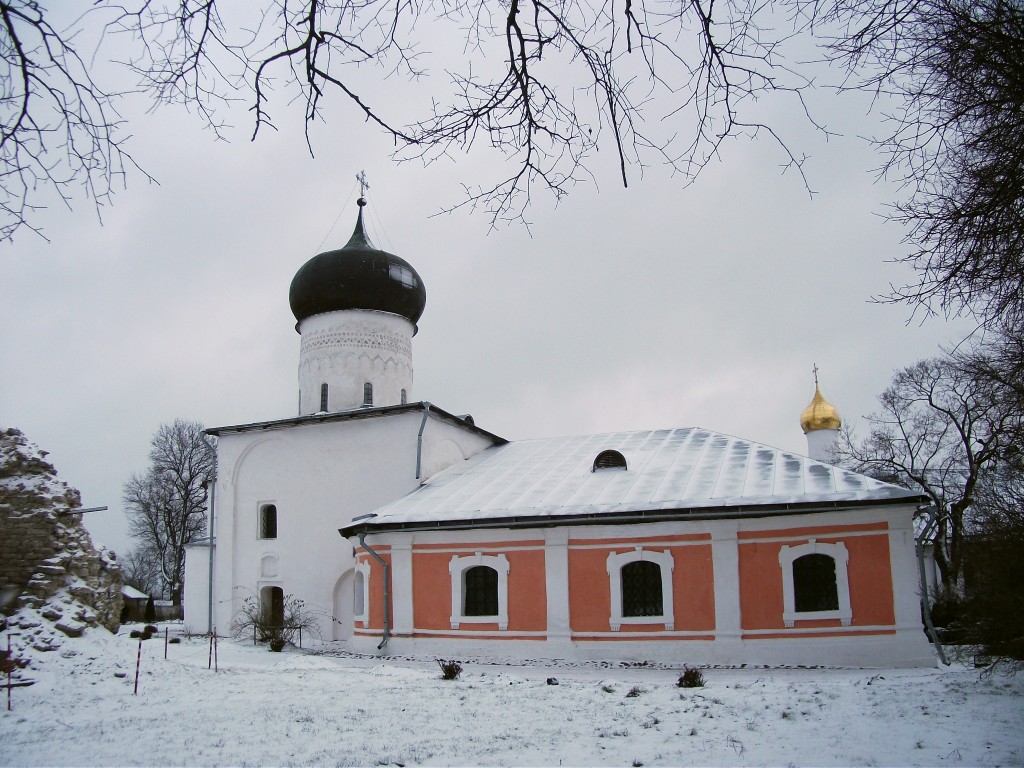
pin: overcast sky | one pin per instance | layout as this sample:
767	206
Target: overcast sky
653	307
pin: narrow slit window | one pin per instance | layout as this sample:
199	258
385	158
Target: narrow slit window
403	397
323	396
268	521
367	393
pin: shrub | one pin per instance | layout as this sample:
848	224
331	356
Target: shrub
450	670
635	691
277	644
135	633
150	628
691	678
295	618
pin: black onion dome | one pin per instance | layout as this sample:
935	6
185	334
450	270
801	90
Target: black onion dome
358	276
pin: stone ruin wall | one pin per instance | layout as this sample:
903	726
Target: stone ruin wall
48	564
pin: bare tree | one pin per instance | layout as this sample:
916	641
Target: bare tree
59	129
939	432
956	68
167	505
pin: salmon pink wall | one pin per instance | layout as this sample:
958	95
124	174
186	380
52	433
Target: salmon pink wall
376	612
868	571
432	587
693	585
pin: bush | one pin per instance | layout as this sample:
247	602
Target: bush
691	678
277	644
450	670
295	618
635	691
150	629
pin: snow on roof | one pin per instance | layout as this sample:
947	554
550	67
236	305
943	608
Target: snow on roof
132	593
671	469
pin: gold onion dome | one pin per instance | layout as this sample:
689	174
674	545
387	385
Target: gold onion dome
819	414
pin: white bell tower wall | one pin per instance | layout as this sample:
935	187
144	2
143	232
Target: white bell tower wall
821	443
348	349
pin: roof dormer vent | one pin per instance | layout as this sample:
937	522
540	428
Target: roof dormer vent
609	460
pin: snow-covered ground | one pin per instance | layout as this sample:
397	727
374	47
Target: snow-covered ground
304	708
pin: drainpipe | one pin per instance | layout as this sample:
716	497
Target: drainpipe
919	543
387	589
213	546
419	439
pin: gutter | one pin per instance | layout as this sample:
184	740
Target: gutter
387	589
601	518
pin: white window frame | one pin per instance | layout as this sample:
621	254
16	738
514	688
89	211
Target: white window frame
457	568
616	560
362	568
840	556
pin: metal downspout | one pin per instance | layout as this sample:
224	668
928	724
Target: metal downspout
387	589
419	439
213	546
919	542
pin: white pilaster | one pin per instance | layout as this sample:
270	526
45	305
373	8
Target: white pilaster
725	560
556	575
401	586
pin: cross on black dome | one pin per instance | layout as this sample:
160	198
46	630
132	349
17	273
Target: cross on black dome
357	276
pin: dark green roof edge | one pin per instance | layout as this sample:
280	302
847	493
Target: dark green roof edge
621	518
356	414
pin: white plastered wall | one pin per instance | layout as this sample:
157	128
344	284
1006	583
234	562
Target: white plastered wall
319	476
349	348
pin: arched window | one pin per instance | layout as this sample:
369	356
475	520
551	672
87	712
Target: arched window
609	460
268	521
641	589
403	397
367	393
323	396
479	590
640	585
815	584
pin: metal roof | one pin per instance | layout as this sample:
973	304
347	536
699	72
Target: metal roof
673	470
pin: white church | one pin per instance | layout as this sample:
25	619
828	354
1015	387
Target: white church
409	529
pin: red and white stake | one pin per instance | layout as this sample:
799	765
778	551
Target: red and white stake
138	663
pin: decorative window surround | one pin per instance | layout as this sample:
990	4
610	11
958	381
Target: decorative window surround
615	563
361	593
841	556
457	568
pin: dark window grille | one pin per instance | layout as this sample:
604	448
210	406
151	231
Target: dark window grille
323	397
403	397
641	589
814	583
268	521
480	595
367	393
609	460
